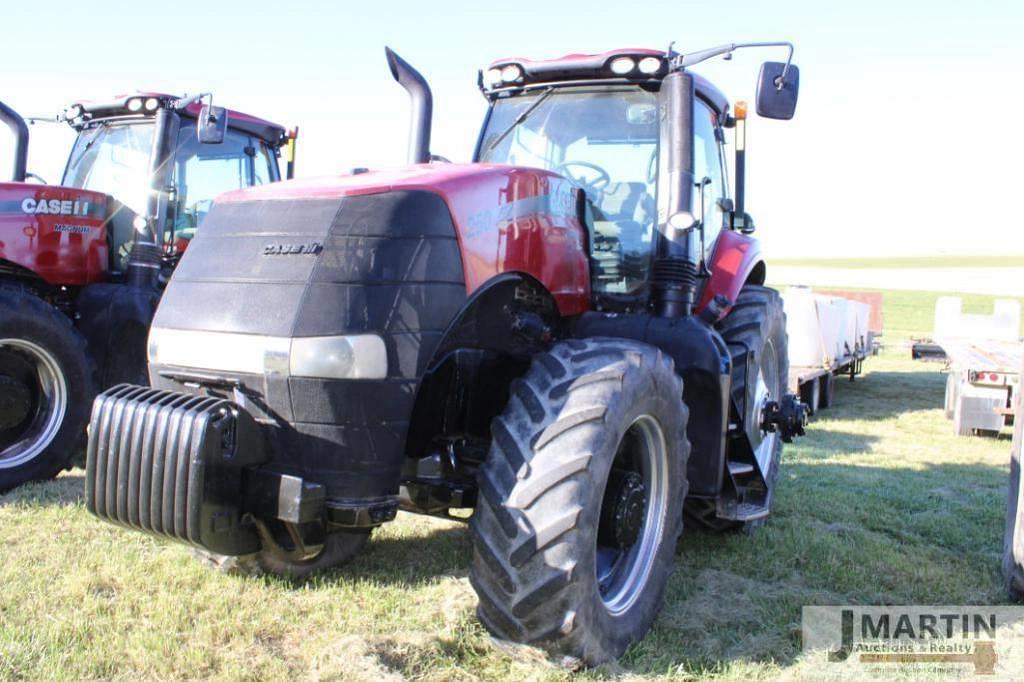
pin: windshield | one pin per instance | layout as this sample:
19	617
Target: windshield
113	159
603	138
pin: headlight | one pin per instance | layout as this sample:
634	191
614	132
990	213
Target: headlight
358	356
511	73
622	65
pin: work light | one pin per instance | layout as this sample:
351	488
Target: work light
649	65
511	73
152	103
623	65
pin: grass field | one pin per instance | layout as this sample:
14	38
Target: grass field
1008	261
880	503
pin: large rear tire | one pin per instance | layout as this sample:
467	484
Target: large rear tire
46	389
581	496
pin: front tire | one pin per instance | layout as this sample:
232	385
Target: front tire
46	389
581	500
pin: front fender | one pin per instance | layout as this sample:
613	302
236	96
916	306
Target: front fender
736	260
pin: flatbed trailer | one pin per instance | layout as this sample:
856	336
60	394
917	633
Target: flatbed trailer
1013	546
830	336
983	357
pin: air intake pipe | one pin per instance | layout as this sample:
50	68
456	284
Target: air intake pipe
422	105
674	275
17	125
145	257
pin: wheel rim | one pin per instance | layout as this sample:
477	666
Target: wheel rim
37	374
632	515
766	389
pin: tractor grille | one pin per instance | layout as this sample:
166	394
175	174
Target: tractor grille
171	464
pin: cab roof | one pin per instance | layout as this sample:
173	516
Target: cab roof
117	107
577	67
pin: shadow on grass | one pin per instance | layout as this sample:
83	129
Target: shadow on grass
840	534
66	490
883	395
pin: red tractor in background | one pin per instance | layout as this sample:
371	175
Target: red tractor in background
569	336
82	264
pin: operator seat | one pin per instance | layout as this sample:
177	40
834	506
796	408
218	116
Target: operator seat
624	209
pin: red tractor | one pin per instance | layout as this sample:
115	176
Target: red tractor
570	337
82	264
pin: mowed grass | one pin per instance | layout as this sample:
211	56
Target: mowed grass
1005	261
880	503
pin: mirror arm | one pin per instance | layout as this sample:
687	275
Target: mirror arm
682	61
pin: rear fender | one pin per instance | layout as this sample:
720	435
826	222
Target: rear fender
736	261
58	233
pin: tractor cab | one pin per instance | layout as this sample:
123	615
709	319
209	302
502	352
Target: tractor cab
115	155
594	118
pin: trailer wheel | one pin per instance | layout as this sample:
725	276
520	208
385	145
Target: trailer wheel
581	500
46	389
950	401
757	323
827	390
810	395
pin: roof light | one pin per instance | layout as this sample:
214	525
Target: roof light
622	65
135	104
511	73
492	77
152	103
649	65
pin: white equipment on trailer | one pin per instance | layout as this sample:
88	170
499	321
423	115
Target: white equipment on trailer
829	336
984	355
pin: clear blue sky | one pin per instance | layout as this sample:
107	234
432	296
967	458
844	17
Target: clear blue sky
905	139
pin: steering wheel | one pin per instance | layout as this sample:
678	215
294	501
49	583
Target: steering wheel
596	185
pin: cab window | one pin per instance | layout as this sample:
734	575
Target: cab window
707	163
202	172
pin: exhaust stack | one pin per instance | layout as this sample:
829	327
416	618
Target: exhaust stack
17	125
422	105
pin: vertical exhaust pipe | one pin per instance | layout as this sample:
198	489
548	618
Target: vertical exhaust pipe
422	105
17	125
144	259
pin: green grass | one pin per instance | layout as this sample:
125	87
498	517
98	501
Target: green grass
1016	261
880	503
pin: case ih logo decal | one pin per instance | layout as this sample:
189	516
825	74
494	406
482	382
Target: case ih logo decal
55	207
312	248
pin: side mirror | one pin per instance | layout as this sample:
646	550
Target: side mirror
212	124
776	98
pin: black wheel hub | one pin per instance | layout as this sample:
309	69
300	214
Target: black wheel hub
15	402
622	511
787	416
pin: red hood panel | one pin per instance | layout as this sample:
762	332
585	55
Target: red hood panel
58	233
507	219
